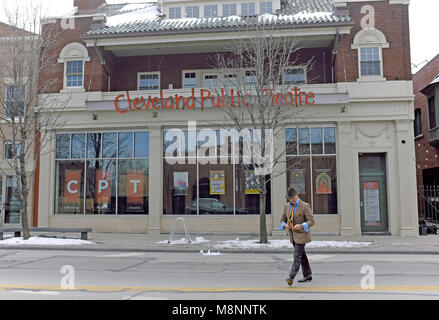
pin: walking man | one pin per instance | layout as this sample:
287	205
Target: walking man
297	219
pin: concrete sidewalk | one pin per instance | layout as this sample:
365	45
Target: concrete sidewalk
150	243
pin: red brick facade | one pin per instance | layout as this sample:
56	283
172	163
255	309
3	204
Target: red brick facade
124	70
393	21
427	156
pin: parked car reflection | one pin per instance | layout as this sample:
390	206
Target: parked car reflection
212	206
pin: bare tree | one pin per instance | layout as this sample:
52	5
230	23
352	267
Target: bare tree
262	100
28	117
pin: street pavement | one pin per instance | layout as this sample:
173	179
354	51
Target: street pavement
61	274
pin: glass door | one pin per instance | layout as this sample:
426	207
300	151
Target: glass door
373	193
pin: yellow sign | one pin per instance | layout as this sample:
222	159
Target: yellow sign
218	182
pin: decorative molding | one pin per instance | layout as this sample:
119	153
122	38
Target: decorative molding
370	37
372	134
74	50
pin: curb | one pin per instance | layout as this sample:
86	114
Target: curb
224	251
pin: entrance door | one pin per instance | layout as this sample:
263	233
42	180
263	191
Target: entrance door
11	204
373	193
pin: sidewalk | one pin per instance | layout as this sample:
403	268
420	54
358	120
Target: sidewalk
150	243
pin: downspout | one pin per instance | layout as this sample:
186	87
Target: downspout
103	63
335	51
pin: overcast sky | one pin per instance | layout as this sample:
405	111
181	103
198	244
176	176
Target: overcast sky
422	22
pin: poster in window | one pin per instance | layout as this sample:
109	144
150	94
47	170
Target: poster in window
73	187
323	182
181	183
297	180
372	214
135	186
103	187
251	185
218	182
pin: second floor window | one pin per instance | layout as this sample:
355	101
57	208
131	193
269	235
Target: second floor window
175	13
266	7
210	11
75	73
149	81
211	81
192	12
370	61
12	150
190	80
248	9
432	112
251	78
15	100
229	9
418	122
294	76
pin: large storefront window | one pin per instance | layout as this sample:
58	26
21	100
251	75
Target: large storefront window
200	183
102	173
312	166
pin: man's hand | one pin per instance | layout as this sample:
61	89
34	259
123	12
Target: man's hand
287	227
297	227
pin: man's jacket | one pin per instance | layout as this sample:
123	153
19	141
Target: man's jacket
303	215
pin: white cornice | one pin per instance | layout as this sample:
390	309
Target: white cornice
208	36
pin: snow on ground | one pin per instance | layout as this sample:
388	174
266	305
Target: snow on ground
37	241
197	240
210	253
278	244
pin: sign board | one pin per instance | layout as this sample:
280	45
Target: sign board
372	214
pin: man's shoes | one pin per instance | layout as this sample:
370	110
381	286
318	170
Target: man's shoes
289	281
306	279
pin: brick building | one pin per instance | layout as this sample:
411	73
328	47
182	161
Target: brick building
12	89
426	84
108	170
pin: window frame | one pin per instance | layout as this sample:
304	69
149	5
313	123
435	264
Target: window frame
304	68
192	8
139	74
380	54
247	4
310	156
174	11
210	6
370	38
9	143
183	77
230	4
431	108
265	2
418	123
8	85
66	86
84	160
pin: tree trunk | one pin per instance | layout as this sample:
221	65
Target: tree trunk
263	238
25	222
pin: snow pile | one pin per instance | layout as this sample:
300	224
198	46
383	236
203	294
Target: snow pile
147	14
280	244
209	253
36	241
198	240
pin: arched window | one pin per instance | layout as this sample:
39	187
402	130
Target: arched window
370	42
74	55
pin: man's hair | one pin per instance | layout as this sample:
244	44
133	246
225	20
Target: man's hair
292	192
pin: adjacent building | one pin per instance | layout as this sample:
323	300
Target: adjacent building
426	86
107	167
13	88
